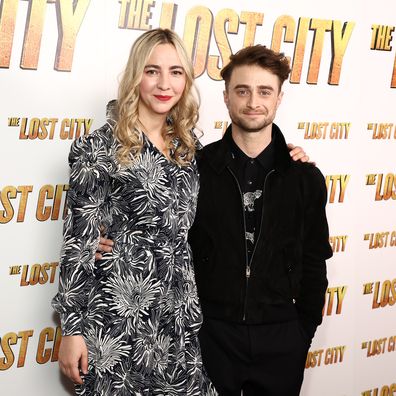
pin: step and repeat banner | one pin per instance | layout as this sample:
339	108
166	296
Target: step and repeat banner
60	63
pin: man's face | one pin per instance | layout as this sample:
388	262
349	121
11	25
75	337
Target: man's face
252	97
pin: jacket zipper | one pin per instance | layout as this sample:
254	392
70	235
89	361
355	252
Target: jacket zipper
247	264
248	268
262	216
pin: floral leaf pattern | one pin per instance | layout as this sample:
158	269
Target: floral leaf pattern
137	308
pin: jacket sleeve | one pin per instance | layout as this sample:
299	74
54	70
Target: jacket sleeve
87	196
316	249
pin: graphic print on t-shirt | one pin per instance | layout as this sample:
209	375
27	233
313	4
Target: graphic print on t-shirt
249	198
250	237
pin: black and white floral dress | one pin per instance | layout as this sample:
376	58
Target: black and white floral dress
137	308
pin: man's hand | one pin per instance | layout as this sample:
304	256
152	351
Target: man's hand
105	245
73	356
297	153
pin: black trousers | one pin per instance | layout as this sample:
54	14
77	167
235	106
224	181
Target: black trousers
260	360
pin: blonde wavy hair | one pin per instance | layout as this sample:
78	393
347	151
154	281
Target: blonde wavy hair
181	119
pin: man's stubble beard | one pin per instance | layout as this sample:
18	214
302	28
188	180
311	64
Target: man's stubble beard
245	125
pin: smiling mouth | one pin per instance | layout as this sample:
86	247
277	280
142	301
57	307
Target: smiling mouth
163	98
252	114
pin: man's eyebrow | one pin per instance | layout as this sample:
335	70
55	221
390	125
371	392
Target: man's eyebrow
266	87
242	86
245	86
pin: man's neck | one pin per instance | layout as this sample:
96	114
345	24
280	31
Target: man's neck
252	143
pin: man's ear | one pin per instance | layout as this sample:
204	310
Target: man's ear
225	97
279	100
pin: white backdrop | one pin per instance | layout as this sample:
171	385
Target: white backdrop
59	65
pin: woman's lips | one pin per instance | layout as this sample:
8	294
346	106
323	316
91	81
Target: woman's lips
163	98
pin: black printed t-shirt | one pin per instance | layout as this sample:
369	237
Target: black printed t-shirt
251	174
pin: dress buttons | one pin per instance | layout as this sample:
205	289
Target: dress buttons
250	182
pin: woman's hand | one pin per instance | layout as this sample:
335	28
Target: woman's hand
73	357
105	245
297	153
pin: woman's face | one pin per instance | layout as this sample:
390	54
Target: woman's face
163	82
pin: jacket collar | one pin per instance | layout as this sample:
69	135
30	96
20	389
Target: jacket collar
219	154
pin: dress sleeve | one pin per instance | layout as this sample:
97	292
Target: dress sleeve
87	197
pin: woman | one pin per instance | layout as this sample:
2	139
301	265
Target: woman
130	320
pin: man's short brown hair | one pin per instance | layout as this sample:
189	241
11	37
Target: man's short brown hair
261	56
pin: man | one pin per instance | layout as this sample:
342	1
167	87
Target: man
259	240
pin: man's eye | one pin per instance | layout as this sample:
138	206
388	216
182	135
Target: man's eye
265	93
242	92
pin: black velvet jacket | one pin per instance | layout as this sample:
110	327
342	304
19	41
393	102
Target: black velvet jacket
286	276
